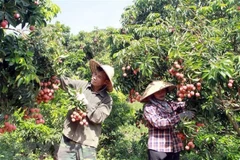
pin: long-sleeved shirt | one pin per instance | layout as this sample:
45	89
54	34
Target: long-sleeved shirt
98	109
161	122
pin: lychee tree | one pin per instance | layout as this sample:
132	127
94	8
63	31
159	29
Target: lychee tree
18	71
195	45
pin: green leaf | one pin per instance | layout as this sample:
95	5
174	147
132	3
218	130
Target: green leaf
25	3
1	15
223	74
1	33
20	81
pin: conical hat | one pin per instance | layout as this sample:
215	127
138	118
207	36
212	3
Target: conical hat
107	69
154	87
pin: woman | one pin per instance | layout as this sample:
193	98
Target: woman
160	114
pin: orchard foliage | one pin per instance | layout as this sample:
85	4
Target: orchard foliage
193	44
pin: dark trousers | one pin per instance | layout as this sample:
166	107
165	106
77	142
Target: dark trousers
155	155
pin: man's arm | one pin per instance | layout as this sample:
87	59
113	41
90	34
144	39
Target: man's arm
100	113
66	82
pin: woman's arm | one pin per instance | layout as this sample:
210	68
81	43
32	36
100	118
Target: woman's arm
156	119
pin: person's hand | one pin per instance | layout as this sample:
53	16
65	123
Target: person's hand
186	114
81	97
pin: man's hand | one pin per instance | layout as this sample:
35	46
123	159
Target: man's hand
81	97
186	114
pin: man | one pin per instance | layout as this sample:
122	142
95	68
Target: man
80	141
161	116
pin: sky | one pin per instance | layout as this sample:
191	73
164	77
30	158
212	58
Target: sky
85	15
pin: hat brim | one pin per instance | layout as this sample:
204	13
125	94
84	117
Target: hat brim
153	89
93	67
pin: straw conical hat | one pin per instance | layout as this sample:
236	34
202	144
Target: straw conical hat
107	69
154	87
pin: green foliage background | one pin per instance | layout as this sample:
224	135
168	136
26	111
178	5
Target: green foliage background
203	35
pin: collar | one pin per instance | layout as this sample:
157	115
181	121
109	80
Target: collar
101	92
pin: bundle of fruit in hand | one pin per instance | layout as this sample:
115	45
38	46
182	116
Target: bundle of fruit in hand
79	115
80	104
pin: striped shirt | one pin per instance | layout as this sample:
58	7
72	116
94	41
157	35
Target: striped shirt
161	122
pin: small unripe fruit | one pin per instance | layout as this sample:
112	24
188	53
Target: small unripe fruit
177	66
198	84
32	28
191	144
230	85
84	114
187	147
4	23
179	99
16	15
197	94
181	95
6	117
185	87
192	93
73	119
230	81
181	76
199	88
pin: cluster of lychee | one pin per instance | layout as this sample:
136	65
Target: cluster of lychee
181	136
134	96
175	71
47	90
8	127
184	90
190	145
230	83
79	116
34	113
188	91
129	70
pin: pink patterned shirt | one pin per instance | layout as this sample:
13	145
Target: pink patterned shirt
161	122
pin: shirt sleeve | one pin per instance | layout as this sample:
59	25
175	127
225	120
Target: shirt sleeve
66	81
101	113
176	105
156	119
